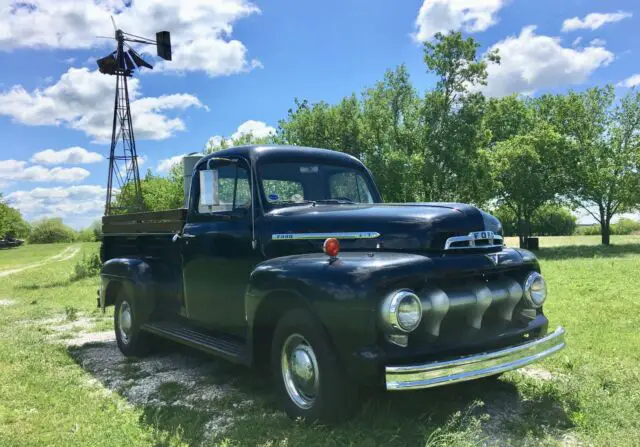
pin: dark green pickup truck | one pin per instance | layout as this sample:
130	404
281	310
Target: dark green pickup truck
287	256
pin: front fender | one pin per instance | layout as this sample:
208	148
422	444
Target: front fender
343	293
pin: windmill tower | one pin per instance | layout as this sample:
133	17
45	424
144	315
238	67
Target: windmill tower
124	175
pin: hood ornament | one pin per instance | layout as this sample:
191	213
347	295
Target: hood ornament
494	258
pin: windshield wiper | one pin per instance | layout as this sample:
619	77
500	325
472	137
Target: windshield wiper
337	201
293	202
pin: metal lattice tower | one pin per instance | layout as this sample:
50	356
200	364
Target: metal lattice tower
124	176
123	164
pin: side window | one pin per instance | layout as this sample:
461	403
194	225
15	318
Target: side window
233	190
351	186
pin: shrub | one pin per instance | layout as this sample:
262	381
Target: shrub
49	231
87	266
553	220
588	230
549	220
625	226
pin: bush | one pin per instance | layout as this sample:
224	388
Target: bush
50	231
588	230
553	220
87	266
625	226
549	220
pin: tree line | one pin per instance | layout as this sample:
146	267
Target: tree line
522	157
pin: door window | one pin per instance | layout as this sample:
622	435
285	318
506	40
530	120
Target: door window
231	186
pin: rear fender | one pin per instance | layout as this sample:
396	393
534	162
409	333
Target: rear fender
145	281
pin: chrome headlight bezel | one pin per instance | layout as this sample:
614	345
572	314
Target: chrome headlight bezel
535	298
391	307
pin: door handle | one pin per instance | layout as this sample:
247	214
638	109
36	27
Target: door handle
176	237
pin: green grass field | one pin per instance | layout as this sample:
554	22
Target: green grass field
63	382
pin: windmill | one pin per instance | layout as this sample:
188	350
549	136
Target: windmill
123	163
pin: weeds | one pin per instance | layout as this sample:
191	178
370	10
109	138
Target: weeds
71	313
87	266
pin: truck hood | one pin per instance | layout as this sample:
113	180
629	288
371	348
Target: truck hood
412	227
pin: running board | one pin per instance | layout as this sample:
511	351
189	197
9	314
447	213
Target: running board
224	347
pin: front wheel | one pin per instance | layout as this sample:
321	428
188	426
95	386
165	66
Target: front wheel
131	341
311	382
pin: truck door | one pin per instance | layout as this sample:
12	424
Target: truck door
217	246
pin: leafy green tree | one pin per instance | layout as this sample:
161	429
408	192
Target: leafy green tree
509	116
604	170
526	175
50	231
454	134
11	222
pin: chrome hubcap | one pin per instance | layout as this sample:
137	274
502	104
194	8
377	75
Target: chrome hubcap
124	321
300	371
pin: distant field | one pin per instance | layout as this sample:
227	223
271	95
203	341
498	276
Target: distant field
63	382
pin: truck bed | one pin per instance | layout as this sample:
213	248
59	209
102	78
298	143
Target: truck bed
142	235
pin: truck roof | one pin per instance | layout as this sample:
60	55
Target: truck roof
277	152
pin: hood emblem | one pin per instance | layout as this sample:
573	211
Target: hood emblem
494	258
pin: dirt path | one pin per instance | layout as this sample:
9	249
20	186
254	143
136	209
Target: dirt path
64	255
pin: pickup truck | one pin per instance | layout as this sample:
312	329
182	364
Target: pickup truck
288	257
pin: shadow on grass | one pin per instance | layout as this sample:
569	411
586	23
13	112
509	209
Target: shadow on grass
53	284
588	251
186	395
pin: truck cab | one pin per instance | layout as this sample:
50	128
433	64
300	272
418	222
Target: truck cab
288	256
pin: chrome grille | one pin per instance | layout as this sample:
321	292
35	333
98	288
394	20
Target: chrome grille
476	239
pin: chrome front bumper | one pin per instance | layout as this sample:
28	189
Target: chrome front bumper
427	375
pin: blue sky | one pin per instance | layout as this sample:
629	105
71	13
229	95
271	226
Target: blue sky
238	66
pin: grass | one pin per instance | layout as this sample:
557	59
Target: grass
51	394
28	254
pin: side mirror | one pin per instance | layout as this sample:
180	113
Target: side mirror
209	193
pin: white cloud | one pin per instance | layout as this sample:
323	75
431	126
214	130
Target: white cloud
598	43
14	170
71	156
444	15
257	129
631	81
200	29
85	202
531	62
593	21
577	41
83	100
165	165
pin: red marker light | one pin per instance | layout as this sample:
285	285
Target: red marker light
331	247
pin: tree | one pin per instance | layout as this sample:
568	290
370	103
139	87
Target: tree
526	174
50	231
605	169
454	135
11	222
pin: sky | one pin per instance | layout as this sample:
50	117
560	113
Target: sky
238	65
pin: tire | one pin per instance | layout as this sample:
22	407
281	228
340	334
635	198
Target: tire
317	387
132	342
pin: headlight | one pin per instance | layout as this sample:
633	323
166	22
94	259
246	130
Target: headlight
535	289
401	311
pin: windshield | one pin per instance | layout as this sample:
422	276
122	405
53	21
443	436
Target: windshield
295	182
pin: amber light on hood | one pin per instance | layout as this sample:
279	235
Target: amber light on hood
331	247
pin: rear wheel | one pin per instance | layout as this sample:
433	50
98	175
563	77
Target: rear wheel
310	380
131	341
